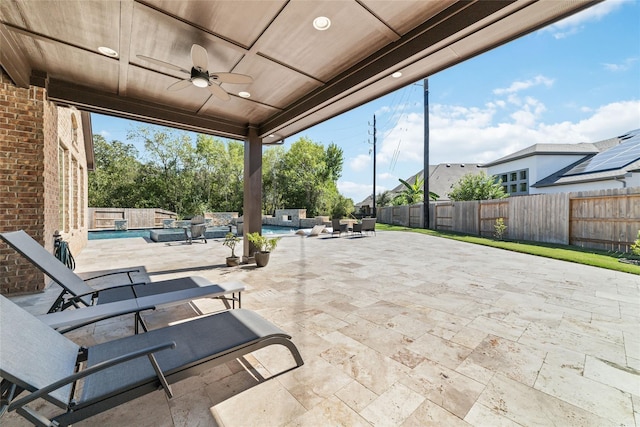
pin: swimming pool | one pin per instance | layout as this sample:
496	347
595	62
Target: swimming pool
125	234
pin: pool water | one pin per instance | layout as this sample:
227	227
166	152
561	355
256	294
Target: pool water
124	234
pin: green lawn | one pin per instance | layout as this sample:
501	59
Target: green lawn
575	254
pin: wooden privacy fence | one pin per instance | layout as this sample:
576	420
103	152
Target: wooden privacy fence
605	219
101	218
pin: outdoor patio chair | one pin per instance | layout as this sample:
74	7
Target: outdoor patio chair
195	232
76	293
368	225
338	228
84	381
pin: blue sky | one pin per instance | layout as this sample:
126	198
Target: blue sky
575	81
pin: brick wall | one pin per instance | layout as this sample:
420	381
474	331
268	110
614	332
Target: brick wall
31	130
22	192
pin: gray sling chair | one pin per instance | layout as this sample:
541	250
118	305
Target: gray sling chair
37	359
76	293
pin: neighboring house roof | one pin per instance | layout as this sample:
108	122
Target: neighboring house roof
539	149
442	178
616	157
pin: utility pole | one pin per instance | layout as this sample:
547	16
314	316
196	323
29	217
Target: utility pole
374	166
426	200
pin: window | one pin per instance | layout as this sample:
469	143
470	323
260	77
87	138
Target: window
63	170
517	184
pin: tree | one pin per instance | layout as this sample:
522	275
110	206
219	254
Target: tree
272	163
477	187
114	182
308	176
384	199
414	193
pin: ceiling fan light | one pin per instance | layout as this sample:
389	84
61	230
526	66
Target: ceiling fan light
200	81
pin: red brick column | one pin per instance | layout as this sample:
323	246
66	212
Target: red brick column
28	179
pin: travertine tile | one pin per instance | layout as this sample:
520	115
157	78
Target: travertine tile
570	386
331	412
429	414
527	406
255	407
480	415
447	388
393	406
515	360
356	396
437	349
615	375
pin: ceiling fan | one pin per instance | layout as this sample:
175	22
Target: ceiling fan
200	76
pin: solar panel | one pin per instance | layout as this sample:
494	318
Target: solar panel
623	154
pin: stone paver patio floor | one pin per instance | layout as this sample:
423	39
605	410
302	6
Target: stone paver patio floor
398	329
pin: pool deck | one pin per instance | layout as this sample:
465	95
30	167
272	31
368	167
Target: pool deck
400	329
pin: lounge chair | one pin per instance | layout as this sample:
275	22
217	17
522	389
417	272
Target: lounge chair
37	359
338	228
76	293
195	232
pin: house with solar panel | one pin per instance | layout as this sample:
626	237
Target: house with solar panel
563	168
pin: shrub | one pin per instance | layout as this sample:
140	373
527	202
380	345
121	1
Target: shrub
500	229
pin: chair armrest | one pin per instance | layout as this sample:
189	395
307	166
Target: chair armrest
75	319
112	273
96	368
96	292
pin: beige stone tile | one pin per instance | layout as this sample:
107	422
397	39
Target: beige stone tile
331	412
429	414
469	337
150	410
447	388
316	381
551	339
192	410
268	404
527	406
377	337
612	374
499	327
356	396
372	369
475	372
515	360
631	346
393	406
407	325
602	400
480	415
437	349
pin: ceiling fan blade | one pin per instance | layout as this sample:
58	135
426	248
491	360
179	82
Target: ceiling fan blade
180	85
219	92
163	64
232	78
199	57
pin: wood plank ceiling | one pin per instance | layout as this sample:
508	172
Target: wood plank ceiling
301	76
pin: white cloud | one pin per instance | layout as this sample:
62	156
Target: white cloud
624	66
574	23
360	162
105	134
387	175
357	191
518	86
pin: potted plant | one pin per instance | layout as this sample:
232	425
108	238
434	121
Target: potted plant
230	241
264	246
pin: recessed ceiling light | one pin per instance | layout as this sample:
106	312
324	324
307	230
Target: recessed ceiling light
321	23
396	75
271	136
107	51
244	94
